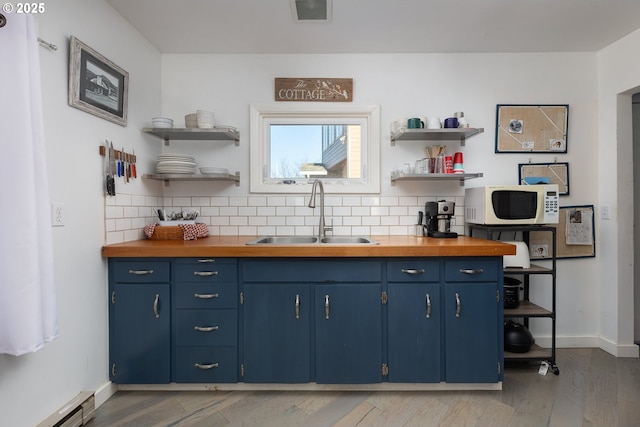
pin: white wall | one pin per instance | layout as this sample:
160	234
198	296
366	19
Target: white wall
415	85
618	80
35	385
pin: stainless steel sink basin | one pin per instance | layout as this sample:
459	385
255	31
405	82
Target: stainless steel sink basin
348	240
309	240
284	240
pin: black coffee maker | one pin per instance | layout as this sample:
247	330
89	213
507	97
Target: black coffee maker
438	216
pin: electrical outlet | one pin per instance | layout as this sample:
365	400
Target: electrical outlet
57	214
605	213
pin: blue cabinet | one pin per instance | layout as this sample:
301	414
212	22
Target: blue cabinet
472	320
205	320
140	322
305	320
276	333
348	328
414	321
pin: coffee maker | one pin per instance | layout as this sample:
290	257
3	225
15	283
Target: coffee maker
438	216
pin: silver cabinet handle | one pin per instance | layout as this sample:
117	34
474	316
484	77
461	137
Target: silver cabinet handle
471	271
428	307
206	328
206	296
206	260
326	307
458	305
205	273
297	306
140	272
413	270
208	366
156	303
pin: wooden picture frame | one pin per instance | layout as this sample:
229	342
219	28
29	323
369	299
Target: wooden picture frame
97	85
531	128
575	235
545	173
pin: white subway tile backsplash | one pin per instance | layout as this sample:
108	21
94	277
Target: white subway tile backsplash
126	215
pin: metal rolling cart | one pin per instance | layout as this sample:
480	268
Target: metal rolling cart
526	308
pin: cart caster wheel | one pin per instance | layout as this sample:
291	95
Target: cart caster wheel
555	370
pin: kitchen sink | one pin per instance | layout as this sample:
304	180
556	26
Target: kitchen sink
348	240
284	240
308	240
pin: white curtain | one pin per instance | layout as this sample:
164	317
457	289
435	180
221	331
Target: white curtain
28	313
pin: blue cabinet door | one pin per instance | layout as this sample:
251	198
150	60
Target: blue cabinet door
414	349
348	327
140	334
471	332
277	333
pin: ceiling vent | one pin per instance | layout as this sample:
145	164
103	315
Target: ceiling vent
311	10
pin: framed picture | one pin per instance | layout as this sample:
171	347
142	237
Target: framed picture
531	128
97	85
575	235
545	173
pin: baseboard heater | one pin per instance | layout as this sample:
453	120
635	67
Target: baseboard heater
77	412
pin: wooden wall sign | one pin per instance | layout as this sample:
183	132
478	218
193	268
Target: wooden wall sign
314	90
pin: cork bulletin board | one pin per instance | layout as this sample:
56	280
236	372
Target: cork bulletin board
575	235
545	173
531	128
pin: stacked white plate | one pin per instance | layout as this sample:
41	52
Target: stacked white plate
208	170
162	122
204	119
175	163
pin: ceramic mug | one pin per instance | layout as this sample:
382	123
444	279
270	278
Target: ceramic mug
415	123
434	123
451	122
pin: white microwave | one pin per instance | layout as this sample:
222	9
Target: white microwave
512	204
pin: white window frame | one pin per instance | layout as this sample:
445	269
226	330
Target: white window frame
261	118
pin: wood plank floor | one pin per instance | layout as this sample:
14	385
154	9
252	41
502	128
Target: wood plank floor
593	389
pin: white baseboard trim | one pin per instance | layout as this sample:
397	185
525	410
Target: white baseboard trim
104	392
618	350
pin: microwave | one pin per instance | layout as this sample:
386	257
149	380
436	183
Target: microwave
512	204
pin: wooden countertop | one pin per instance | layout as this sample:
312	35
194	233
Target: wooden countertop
235	246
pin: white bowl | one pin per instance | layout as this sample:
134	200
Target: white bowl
190	121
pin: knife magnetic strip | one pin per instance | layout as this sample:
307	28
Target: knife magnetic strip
119	155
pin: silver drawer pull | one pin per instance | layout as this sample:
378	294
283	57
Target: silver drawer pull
205	273
458	305
428	307
413	270
206	296
156	306
297	306
206	328
326	307
471	271
208	366
140	272
206	260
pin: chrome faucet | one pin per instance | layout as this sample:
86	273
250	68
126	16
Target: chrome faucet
322	228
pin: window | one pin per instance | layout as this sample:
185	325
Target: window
291	145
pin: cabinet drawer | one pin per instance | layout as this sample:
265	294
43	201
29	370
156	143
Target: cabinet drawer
206	327
475	269
206	365
141	271
282	271
206	295
413	271
202	271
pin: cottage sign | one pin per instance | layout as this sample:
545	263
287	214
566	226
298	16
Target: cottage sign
314	90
